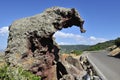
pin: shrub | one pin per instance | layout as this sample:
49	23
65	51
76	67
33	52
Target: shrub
77	52
117	42
13	73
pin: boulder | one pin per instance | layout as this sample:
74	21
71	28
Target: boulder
67	77
74	62
73	67
115	52
31	44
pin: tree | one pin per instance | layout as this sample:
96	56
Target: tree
117	42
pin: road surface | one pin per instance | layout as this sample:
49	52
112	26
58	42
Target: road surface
107	67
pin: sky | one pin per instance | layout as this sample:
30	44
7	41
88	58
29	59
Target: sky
102	19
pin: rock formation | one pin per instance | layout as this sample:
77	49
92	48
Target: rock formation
31	44
91	73
74	68
114	51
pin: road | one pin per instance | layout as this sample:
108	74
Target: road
107	67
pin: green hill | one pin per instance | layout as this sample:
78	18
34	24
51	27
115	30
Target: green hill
101	46
69	48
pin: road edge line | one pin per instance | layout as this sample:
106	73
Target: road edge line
96	69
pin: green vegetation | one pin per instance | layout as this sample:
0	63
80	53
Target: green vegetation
101	46
117	42
77	52
13	73
78	49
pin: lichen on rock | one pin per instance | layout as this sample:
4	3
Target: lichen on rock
31	44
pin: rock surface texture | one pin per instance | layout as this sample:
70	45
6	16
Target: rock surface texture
31	44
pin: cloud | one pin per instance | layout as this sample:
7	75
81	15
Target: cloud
63	38
64	43
68	35
95	40
3	37
4	30
92	38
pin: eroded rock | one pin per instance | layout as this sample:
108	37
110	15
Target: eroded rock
31	44
74	68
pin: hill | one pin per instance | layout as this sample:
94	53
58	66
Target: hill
101	46
69	48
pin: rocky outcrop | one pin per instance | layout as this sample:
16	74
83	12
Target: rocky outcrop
79	68
74	68
91	73
2	59
31	44
114	51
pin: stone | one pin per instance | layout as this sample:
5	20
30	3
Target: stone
2	60
90	71
74	62
31	44
74	68
67	77
115	52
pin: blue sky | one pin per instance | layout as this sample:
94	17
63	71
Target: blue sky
102	19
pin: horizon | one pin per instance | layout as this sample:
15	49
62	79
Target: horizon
101	19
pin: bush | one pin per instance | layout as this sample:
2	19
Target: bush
13	73
77	52
117	42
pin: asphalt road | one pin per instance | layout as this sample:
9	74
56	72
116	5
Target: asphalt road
107	67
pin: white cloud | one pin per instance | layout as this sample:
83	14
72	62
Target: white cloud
70	38
63	35
64	43
95	40
3	37
68	35
4	30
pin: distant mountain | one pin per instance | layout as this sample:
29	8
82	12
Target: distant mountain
69	48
